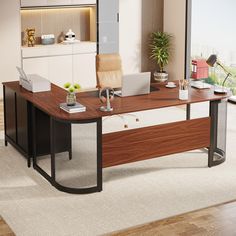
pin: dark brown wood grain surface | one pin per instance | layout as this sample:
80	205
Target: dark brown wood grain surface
164	97
155	141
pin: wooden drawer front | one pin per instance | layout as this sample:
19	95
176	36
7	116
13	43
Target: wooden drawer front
155	141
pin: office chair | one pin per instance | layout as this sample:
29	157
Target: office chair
109	74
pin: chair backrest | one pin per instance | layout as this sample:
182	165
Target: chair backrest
108	70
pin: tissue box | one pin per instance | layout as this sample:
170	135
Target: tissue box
48	39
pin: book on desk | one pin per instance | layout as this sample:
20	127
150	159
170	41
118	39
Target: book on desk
73	109
200	85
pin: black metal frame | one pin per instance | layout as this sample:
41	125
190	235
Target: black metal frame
52	178
216	155
188	112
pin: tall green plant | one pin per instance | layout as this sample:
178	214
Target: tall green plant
160	48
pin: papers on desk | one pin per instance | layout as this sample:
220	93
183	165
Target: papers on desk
200	85
73	109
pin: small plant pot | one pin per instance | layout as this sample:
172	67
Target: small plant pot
71	99
160	76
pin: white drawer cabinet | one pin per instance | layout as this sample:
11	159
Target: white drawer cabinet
57	69
33	3
84	70
36	66
41	3
58	2
63	63
78	2
60	70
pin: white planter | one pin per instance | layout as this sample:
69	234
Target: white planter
160	76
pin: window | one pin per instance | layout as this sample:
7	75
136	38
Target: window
212	32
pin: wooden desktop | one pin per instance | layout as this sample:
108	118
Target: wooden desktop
27	114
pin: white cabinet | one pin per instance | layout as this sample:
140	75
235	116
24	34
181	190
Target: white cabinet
57	69
33	3
63	63
36	66
78	2
58	2
60	70
84	70
41	3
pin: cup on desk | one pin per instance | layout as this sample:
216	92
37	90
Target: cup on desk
183	90
171	84
183	94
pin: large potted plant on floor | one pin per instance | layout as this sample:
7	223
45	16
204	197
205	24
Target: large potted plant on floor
160	52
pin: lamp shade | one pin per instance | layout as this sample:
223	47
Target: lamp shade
212	60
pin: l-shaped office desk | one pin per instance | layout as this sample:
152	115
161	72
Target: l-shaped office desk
36	126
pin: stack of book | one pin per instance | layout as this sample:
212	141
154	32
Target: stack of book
73	109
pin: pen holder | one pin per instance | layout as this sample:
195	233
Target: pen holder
183	94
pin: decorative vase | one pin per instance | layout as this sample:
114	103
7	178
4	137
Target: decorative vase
160	76
71	99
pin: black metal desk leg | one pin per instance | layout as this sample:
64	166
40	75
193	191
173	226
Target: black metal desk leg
52	150
53	146
99	155
34	142
70	151
218	114
4	107
188	112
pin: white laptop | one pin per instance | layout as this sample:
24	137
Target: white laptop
135	84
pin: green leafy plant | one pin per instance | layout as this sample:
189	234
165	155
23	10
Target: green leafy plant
160	48
71	88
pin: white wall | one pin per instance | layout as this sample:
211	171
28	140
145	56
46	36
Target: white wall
130	35
174	23
9	40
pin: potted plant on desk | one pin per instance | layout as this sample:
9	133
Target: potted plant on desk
160	53
71	96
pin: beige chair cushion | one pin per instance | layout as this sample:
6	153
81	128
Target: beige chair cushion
109	79
109	71
108	62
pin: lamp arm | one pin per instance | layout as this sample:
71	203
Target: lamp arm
226	79
226	71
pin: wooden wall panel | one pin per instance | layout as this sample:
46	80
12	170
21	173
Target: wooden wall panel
155	141
57	22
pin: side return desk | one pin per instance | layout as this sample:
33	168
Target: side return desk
35	126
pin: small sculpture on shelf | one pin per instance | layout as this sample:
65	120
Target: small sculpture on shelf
30	32
71	96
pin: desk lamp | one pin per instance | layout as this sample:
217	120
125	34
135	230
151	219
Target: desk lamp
212	61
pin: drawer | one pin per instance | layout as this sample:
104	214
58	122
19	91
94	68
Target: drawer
59	50
34	52
83	2
44	51
85	47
